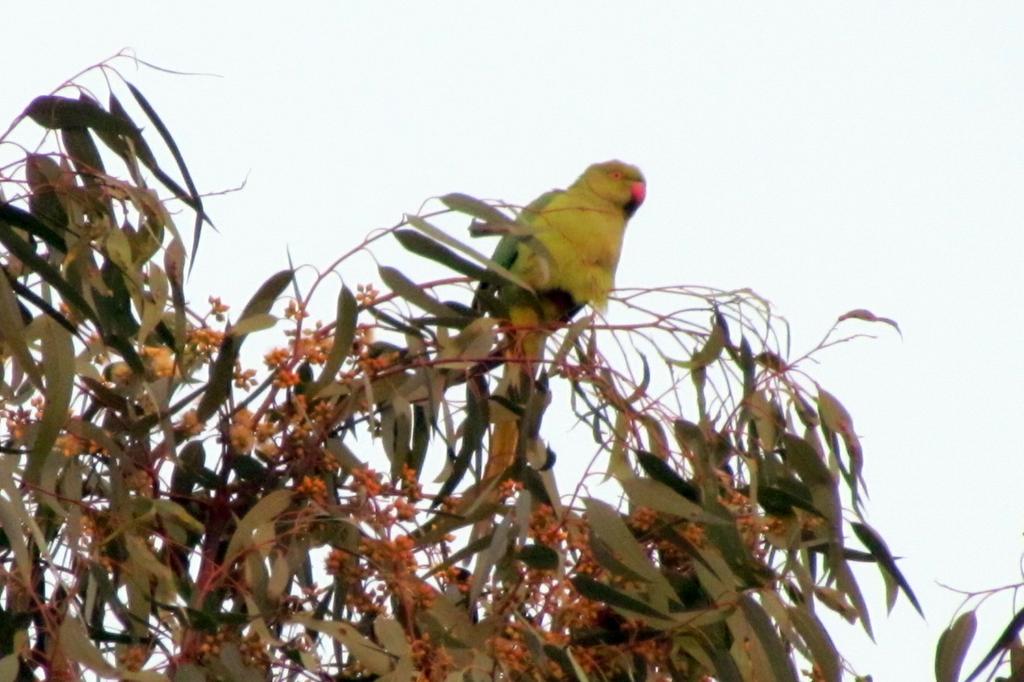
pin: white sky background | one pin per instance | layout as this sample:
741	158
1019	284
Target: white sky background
830	156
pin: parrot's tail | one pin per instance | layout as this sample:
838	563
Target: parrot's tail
504	441
520	362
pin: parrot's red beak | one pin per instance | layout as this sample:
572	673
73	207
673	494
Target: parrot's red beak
637	192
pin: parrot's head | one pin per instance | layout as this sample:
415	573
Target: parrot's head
620	183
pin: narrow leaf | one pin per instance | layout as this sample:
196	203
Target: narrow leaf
266	510
422	245
778	659
658	496
874	543
819	642
12	332
218	386
194	200
448	240
1005	641
805	460
55	113
538	557
344	335
605	594
59	375
16	538
265	297
26	221
75	643
253	323
463	203
412	292
660	471
952	647
373	658
868	316
25	253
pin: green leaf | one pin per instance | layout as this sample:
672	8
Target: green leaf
10	524
75	643
12	332
538	557
58	113
868	316
253	323
817	639
9	213
153	307
1006	640
390	633
174	267
371	656
848	586
192	199
778	659
660	471
658	496
412	292
725	667
690	437
396	428
59	375
27	295
874	543
85	156
119	250
44	177
577	670
768	419
441	236
421	245
94	433
606	594
607	525
710	351
835	419
25	253
218	387
266	510
952	647
473	429
780	499
606	559
344	335
265	297
463	203
222	373
806	461
176	514
9	666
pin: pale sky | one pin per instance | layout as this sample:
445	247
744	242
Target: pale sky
828	155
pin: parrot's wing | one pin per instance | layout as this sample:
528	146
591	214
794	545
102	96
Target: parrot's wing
507	251
537	206
504	255
508	248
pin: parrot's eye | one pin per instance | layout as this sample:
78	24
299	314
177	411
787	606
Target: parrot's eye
615	175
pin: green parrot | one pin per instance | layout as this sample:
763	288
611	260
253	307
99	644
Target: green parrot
571	249
567	254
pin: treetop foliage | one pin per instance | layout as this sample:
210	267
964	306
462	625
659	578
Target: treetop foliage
170	512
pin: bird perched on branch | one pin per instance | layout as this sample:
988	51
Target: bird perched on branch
567	252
